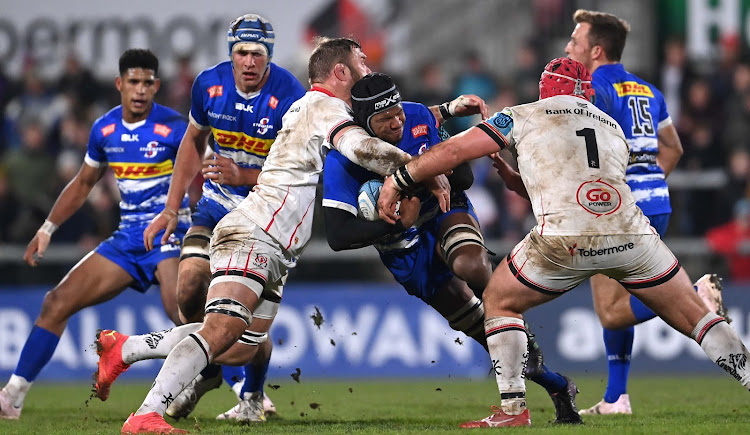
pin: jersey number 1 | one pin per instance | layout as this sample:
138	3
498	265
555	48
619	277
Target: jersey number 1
592	152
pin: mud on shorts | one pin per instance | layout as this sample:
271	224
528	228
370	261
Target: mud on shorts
244	253
556	264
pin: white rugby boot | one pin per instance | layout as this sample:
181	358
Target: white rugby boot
621	406
249	410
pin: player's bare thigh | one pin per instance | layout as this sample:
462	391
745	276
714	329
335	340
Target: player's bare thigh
95	279
611	303
506	296
675	301
194	274
166	274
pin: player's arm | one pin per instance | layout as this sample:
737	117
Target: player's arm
70	200
670	148
463	105
187	164
468	145
346	231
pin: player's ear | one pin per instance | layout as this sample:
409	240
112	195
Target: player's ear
118	83
597	52
157	84
340	71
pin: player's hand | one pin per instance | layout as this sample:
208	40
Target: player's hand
510	176
389	196
167	221
467	105
409	211
441	188
37	245
222	170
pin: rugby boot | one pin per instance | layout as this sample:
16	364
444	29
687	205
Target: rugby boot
500	419
110	365
185	402
268	407
566	411
621	406
148	423
709	290
249	410
7	410
536	357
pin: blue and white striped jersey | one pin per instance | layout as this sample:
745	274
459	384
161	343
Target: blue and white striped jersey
142	156
243	125
640	110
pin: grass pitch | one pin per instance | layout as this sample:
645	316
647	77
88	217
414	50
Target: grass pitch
694	405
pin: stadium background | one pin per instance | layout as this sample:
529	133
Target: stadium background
58	60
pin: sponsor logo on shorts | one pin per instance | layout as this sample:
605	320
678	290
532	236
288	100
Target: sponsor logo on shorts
215	91
572	249
420	130
602	251
261	261
598	197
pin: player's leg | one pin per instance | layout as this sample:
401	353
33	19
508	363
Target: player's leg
505	299
612	305
680	306
462	248
93	280
166	275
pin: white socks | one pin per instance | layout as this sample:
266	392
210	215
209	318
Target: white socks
508	346
187	359
17	387
155	344
723	346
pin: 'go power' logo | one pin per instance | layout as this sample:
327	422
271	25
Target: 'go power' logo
598	197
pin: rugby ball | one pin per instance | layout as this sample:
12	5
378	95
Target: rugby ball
367	200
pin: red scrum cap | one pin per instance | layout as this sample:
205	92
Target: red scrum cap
565	76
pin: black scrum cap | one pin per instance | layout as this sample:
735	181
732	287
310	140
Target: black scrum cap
372	94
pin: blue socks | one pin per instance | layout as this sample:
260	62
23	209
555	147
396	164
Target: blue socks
255	377
619	346
232	374
551	381
640	311
36	353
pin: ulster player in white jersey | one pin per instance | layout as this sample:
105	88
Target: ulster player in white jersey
572	159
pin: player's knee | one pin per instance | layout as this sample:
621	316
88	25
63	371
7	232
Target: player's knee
611	320
56	307
191	294
473	268
468	319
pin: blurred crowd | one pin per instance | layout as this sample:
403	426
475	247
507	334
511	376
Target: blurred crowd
44	130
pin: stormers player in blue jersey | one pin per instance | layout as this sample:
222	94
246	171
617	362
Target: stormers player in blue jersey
138	141
598	42
437	257
240	103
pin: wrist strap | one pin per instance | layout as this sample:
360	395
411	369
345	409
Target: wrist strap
402	178
47	228
445	111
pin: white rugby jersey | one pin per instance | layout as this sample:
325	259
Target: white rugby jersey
572	159
283	200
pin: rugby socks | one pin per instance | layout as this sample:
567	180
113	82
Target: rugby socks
184	363
551	381
255	377
640	311
235	377
619	345
155	344
722	345
36	353
508	344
